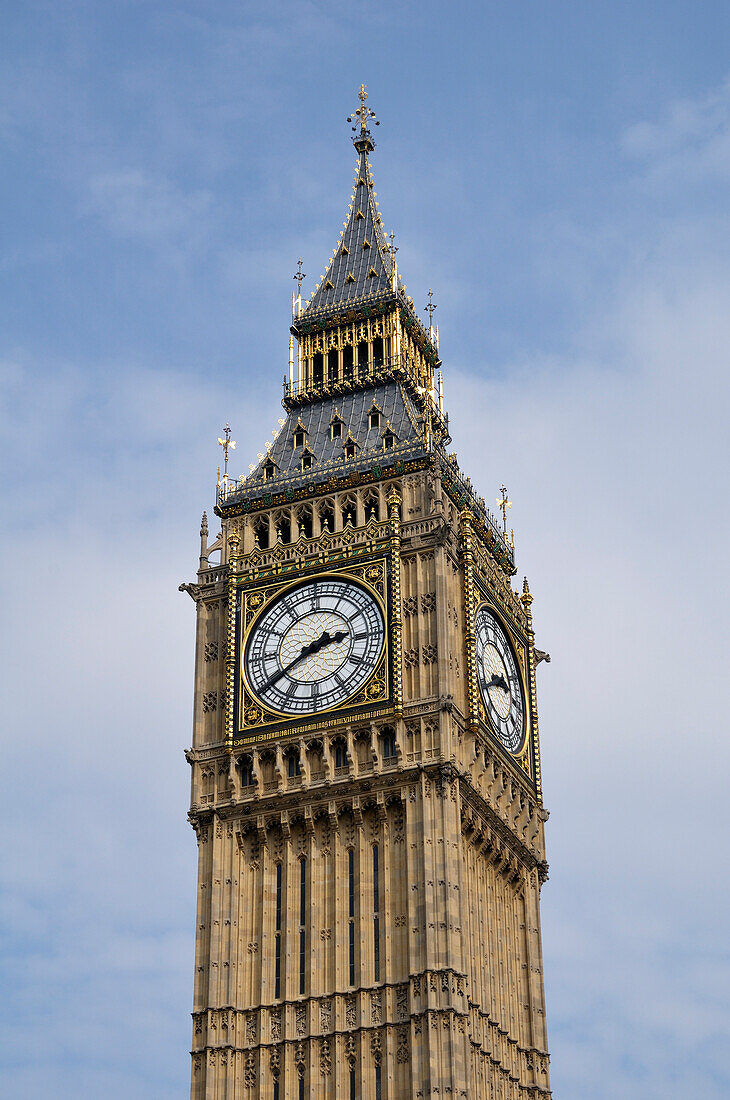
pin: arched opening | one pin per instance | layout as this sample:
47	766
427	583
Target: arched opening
349	511
387	744
326	516
283	527
318	369
347	359
261	532
372	506
339	754
333	365
293	766
245	768
304	520
362	359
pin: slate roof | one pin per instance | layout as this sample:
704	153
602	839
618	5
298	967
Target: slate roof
361	268
398	413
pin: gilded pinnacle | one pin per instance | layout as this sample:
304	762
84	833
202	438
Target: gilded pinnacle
363	141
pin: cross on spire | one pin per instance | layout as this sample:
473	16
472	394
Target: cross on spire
227	444
363	115
504	503
430	308
299	275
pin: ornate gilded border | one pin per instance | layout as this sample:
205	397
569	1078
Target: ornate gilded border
521	645
247	719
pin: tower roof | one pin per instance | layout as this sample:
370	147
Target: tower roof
361	268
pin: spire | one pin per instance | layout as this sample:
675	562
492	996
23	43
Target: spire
361	267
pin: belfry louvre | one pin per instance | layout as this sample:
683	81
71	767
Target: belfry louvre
366	786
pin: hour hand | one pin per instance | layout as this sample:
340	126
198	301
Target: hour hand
498	680
324	639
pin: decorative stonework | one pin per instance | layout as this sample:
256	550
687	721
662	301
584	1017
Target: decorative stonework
383	819
210	701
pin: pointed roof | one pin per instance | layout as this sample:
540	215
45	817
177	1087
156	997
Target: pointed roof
399	412
361	268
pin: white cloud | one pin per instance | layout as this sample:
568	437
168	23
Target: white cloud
619	477
691	143
136	204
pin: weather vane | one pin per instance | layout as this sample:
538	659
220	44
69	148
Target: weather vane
227	444
299	275
430	308
393	245
504	503
363	114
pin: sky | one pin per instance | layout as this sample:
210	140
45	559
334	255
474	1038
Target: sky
559	175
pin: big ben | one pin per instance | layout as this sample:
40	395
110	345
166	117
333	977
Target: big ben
366	788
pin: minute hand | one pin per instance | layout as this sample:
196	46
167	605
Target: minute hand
324	639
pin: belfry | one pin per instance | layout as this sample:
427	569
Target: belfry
365	764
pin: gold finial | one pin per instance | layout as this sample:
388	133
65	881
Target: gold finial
429	310
227	444
363	115
504	503
299	275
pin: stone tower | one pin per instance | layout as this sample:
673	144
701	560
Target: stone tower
365	764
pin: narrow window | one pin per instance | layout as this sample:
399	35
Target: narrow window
388	441
336	429
353	1095
347	359
277	939
340	755
293	765
276	1088
351	910
388	743
378	1084
362	358
299	438
307	460
261	534
374	419
304	520
333	366
301	1087
302	923
378	351
247	776
318	369
349	450
269	470
376	912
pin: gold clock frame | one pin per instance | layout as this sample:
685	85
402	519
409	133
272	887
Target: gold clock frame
477	593
249	720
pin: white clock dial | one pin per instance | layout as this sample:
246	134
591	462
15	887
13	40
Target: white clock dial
499	680
314	646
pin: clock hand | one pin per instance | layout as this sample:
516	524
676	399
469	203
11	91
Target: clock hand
324	639
498	680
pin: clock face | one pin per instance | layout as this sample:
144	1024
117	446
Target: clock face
314	646
499	681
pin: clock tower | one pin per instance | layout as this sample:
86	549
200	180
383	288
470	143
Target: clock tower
365	763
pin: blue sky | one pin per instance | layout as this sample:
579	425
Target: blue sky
559	175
